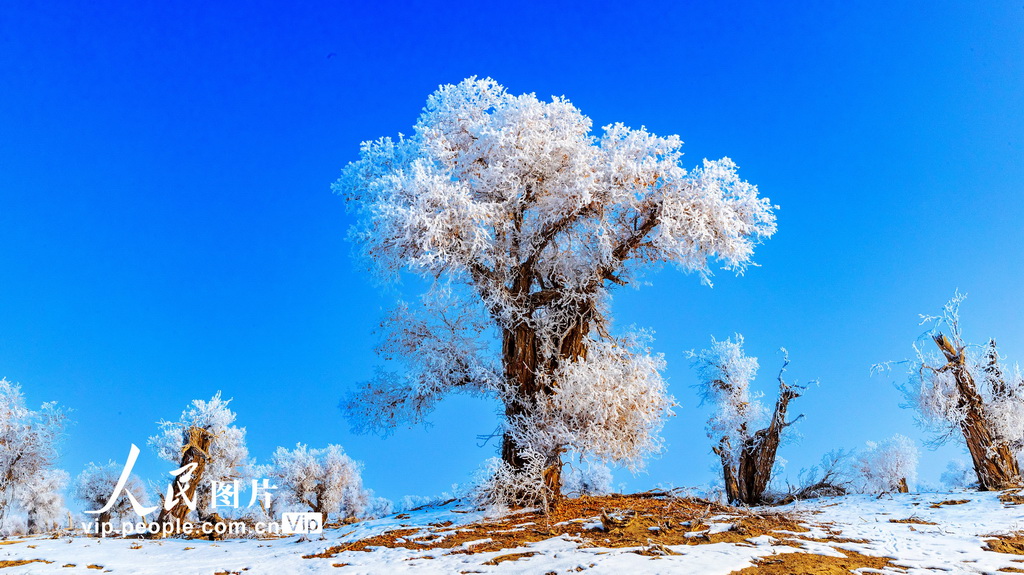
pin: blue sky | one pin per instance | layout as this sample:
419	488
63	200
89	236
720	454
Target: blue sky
168	229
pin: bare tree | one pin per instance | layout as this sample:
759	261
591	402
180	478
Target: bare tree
521	220
746	452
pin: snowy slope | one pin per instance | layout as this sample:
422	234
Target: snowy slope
954	544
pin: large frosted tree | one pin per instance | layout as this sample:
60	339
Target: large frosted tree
520	219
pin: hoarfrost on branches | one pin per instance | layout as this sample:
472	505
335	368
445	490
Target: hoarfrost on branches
438	340
228	458
595	479
958	475
883	466
96	483
745	438
42	500
512	207
28	444
499	487
932	388
323	480
610	405
725	374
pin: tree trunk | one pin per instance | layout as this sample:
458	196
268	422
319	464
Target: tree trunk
902	486
732	487
196	450
747	483
319	506
102	521
994	461
521	361
32	524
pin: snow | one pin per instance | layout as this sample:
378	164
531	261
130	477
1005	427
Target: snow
954	545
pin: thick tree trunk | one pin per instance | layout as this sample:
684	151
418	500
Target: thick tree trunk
994	461
747	483
196	450
522	363
520	360
102	521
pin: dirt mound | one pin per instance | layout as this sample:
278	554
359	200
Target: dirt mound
650	521
811	564
1012	544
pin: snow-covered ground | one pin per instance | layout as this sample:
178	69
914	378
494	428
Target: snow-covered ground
954	543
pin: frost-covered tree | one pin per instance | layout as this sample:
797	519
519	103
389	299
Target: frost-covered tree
886	467
323	480
964	388
958	475
205	434
28	445
42	500
95	484
745	438
521	220
594	479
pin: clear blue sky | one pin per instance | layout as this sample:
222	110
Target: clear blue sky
167	229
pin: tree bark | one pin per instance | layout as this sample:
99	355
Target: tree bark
902	486
732	487
197	442
520	361
748	480
522	364
102	521
994	461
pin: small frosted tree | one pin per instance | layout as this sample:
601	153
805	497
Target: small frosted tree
521	221
958	475
746	449
28	444
594	479
323	480
42	501
205	435
964	389
886	467
95	484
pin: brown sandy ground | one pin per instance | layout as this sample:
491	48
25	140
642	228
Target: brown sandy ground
650	522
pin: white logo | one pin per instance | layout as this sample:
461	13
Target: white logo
301	523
